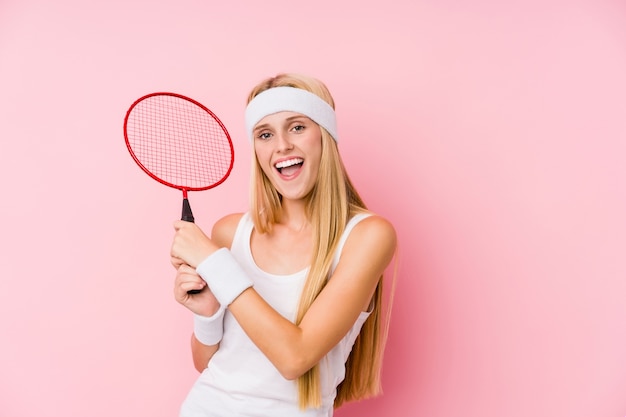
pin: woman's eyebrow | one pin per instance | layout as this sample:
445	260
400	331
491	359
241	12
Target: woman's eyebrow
287	120
259	127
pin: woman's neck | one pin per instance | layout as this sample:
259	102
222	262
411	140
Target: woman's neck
294	216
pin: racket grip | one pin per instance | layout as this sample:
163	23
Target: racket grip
187	214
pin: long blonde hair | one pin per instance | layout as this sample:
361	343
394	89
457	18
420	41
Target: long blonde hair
333	201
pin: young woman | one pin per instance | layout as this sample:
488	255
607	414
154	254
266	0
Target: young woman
288	319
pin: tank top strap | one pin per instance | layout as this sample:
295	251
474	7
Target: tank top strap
356	219
241	239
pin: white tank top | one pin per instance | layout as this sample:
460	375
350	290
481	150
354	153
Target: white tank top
240	380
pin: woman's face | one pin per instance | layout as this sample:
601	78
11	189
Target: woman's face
288	147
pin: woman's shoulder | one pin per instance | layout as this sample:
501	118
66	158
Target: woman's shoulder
224	229
374	223
374	230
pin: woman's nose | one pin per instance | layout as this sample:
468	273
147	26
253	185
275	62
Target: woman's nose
283	142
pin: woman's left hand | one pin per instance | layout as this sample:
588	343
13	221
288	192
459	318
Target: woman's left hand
203	302
190	245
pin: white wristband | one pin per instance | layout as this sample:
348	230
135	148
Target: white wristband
226	279
209	330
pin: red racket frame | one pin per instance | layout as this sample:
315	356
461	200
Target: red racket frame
155	177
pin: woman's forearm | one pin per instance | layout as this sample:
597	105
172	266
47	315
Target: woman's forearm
201	353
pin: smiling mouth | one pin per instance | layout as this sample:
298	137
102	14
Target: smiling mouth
289	166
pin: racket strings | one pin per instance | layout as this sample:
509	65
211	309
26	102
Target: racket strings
179	142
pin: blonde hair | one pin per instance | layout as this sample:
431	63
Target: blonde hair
333	201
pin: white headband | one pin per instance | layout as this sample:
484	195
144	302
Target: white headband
297	100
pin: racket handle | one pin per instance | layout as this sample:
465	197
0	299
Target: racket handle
188	217
187	214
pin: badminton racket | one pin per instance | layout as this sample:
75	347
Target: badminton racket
180	143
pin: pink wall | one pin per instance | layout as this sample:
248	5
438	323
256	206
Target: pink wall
493	135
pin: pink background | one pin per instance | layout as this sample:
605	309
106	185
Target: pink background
492	134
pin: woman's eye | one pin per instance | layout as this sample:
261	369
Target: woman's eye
298	128
264	135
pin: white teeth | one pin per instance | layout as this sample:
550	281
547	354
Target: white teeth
289	162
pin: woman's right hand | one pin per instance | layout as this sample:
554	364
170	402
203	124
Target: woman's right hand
202	303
